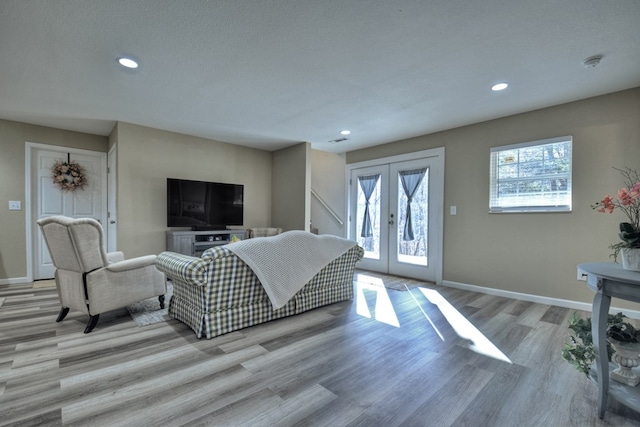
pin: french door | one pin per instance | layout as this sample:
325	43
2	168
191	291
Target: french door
396	215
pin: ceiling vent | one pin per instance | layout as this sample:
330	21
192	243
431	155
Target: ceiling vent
335	141
592	62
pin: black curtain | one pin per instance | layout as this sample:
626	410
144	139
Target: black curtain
410	182
368	184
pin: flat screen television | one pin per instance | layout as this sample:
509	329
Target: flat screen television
204	205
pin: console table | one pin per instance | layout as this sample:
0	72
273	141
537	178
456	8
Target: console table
608	280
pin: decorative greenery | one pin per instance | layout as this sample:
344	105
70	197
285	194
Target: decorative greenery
68	176
580	351
628	201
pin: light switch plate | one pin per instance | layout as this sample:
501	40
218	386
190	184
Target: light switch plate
15	205
453	210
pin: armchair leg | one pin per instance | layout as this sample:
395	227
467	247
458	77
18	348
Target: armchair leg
161	299
93	320
62	314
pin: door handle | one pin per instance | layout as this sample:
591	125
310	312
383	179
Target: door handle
112	222
391	222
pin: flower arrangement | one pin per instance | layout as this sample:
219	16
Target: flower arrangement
68	176
627	201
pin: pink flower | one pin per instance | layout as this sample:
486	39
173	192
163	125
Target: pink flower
625	198
607	204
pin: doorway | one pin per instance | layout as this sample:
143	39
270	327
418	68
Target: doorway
396	214
47	200
112	216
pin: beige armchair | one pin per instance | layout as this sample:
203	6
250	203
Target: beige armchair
90	280
263	232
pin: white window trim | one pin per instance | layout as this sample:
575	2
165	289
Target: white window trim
565	207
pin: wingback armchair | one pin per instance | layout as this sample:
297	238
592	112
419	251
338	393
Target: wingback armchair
90	280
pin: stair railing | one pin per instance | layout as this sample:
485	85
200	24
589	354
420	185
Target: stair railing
327	207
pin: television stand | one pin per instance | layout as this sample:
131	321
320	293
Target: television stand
204	228
194	243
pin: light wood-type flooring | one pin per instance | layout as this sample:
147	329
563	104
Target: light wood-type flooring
415	355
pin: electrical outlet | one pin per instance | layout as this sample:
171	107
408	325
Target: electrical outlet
15	205
582	275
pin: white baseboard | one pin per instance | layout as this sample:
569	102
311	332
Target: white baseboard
576	305
14	280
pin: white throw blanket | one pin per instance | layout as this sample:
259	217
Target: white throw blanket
286	262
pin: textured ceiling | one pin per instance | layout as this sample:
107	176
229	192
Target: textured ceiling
271	73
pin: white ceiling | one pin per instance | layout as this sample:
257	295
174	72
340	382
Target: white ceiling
271	73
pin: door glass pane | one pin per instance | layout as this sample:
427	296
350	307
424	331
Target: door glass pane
369	237
413	251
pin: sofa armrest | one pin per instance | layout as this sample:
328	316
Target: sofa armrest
131	264
183	267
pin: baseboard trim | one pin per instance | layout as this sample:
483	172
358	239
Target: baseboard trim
14	280
576	305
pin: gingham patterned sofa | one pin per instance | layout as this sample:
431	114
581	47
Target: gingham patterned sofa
219	293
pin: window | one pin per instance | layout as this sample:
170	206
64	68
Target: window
531	177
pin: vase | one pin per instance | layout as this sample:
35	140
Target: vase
627	356
630	258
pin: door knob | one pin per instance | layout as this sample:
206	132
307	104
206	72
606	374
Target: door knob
391	222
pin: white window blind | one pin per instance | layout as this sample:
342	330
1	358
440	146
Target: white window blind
531	177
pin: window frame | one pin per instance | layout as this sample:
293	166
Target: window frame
563	197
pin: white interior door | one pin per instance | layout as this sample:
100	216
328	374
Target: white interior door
112	215
396	216
48	200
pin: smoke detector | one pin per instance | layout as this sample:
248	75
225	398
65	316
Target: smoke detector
592	62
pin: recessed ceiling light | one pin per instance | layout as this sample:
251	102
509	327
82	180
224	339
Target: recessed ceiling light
345	132
127	62
499	86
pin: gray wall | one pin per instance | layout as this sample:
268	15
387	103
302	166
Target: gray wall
528	253
13	136
534	253
328	181
291	188
146	157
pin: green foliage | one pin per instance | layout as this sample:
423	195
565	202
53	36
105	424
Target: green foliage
630	239
629	234
622	331
580	352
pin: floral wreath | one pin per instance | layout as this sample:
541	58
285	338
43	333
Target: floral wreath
68	176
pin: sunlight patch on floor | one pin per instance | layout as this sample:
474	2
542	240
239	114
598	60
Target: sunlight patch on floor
383	310
435	329
477	342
